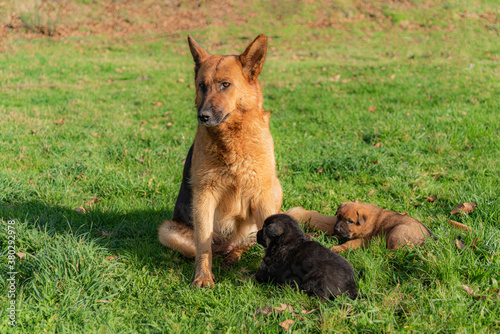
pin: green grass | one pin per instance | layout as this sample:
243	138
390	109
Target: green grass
436	116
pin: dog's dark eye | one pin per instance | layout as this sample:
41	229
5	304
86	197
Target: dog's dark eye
349	221
202	86
226	84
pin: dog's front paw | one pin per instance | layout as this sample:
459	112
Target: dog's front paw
203	281
338	249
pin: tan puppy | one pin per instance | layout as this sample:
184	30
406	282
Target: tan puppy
360	222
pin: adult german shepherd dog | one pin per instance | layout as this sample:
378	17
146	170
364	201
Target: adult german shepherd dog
229	185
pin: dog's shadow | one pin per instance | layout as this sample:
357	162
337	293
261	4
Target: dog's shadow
130	234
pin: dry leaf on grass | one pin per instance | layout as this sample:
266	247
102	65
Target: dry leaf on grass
81	209
459	243
106	234
93	201
21	255
266	310
467	289
431	198
308	312
462	208
471	292
287	324
377	145
372	109
60	121
283	308
460	226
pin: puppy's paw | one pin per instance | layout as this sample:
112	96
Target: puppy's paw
338	249
203	281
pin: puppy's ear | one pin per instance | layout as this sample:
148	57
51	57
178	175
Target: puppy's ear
252	60
362	216
274	231
198	53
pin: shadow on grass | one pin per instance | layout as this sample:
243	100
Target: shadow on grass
130	234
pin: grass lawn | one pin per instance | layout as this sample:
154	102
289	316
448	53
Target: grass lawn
385	112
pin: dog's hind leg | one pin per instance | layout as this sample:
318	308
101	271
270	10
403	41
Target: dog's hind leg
234	256
313	219
178	237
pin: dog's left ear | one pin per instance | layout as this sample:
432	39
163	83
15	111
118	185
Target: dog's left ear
362	216
252	60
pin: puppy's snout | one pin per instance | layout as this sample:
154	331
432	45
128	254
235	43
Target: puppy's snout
336	229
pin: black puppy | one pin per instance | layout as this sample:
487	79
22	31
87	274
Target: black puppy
291	258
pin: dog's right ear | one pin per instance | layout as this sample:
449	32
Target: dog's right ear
197	51
362	216
252	60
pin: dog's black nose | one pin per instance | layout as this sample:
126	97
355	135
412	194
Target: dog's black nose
337	230
203	118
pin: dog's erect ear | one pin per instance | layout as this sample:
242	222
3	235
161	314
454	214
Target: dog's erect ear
362	216
252	59
197	51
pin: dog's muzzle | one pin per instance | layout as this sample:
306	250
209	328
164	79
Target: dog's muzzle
207	118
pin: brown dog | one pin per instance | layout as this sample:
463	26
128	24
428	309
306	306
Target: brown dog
360	222
229	184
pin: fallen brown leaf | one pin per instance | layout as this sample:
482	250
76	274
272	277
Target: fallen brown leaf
81	209
431	198
21	255
308	312
320	170
462	208
106	233
377	145
180	80
467	289
372	109
287	324
93	201
111	257
459	243
60	121
283	308
266	310
460	226
471	292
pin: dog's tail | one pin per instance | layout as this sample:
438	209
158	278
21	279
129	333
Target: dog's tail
313	219
178	237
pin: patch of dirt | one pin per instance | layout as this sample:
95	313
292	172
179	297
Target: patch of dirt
121	18
118	18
